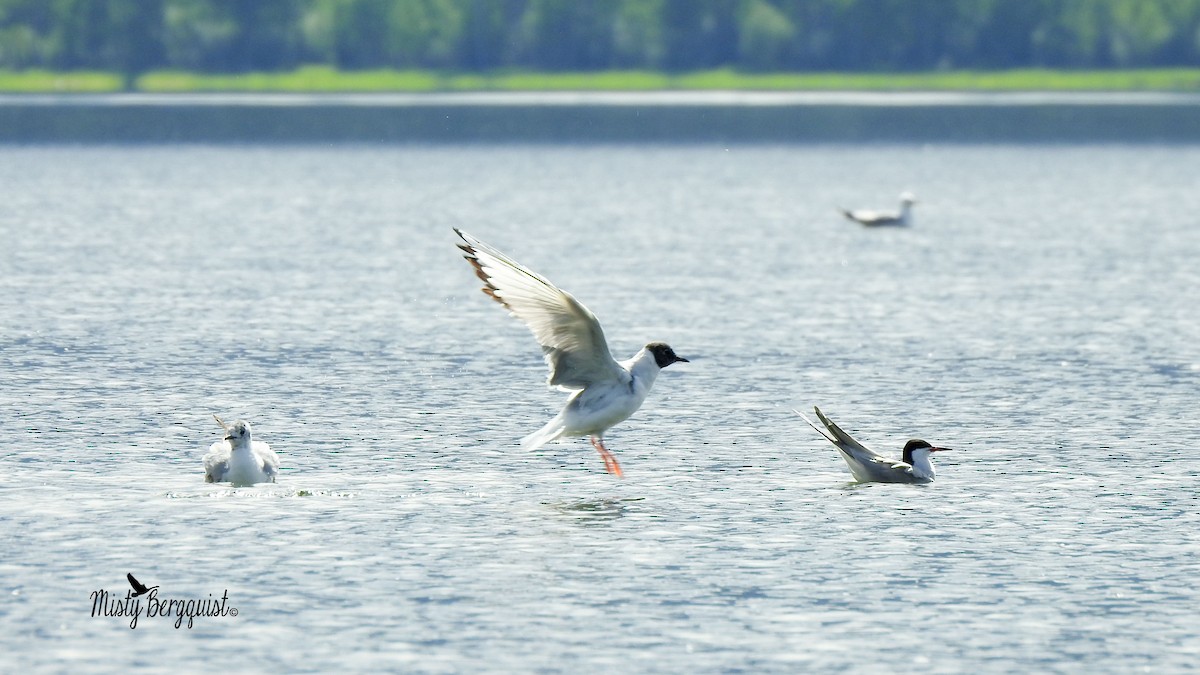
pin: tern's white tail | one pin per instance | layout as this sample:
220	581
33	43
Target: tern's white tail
551	432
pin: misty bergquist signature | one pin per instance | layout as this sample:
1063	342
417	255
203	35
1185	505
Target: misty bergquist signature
132	606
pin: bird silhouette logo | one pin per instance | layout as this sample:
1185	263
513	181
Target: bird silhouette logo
138	587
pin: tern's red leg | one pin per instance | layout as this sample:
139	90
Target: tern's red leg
610	462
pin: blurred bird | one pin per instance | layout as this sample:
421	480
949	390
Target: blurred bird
604	392
876	218
869	466
239	460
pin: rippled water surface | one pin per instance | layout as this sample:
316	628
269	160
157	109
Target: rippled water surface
1040	318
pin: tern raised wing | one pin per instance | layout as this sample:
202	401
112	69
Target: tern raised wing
866	465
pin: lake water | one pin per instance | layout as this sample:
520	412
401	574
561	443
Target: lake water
625	117
1040	318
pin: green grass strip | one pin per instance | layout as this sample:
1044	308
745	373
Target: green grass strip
318	79
48	82
308	79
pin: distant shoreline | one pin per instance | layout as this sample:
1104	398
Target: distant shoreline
604	99
602	117
320	79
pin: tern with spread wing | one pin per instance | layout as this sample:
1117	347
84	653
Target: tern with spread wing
238	459
877	218
604	391
868	465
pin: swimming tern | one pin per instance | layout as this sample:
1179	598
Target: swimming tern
604	391
868	465
238	459
876	218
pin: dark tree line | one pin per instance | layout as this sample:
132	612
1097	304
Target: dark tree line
237	35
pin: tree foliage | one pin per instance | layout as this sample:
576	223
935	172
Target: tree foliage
133	36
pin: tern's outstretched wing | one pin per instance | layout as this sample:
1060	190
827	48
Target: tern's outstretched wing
842	439
865	464
820	430
571	338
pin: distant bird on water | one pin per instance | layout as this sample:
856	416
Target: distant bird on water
869	466
877	218
238	459
604	391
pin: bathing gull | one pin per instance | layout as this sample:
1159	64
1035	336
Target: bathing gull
239	460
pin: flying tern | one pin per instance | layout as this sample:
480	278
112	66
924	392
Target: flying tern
604	391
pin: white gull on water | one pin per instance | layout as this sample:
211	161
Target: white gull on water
604	391
869	466
876	218
238	459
